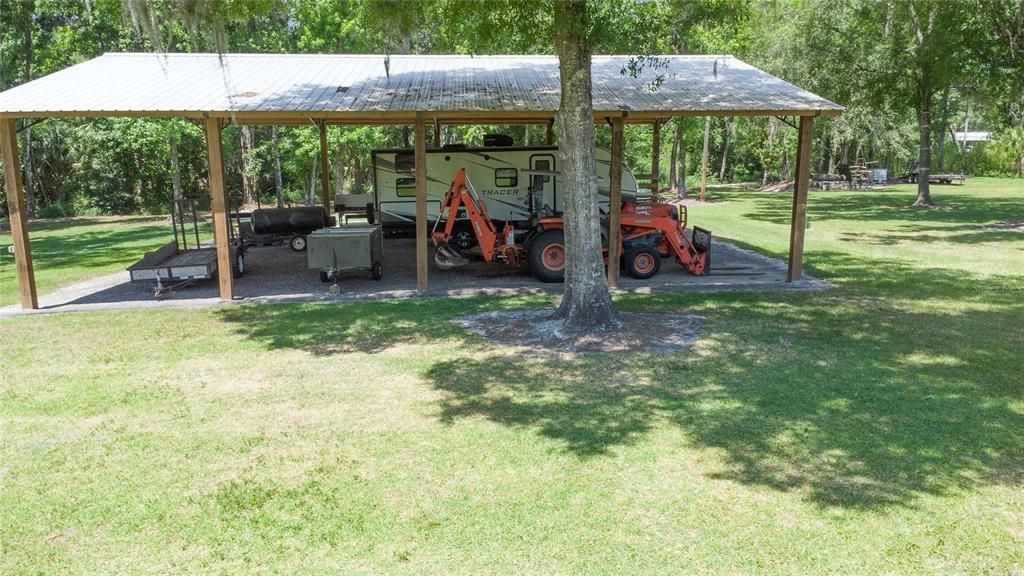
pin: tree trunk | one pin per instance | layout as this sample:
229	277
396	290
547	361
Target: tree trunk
586	304
821	152
312	189
28	182
941	151
682	164
175	169
278	179
655	161
673	168
704	161
248	178
339	170
924	159
405	137
725	152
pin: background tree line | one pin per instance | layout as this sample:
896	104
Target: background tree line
909	71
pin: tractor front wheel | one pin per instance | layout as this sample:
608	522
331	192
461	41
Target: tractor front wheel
546	257
642	263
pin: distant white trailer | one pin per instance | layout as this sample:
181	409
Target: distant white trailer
499	175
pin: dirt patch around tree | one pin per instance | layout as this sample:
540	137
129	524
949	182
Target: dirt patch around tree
538	330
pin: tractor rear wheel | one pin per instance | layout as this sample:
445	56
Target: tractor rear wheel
642	263
546	256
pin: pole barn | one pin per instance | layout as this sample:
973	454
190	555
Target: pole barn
277	89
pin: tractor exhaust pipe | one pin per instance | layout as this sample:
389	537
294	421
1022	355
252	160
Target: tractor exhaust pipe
447	258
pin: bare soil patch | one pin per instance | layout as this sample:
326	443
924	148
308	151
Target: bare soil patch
538	330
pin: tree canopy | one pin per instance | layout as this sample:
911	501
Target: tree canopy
968	60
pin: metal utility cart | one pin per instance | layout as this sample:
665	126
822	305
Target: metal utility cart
177	264
352	247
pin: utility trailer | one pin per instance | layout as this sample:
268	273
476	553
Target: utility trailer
347	248
271	226
177	263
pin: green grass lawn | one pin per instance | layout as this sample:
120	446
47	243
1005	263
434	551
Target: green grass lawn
68	250
874	428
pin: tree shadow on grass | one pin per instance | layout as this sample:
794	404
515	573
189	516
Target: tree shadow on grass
53	224
851	403
100	247
370	327
893	279
958	208
851	398
956	235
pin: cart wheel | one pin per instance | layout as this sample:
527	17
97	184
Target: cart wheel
324	277
298	243
239	268
377	271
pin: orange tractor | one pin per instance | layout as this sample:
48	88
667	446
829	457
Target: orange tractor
648	234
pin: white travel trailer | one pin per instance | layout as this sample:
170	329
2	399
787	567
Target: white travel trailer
498	173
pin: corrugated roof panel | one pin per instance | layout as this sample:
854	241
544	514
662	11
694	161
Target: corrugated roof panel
163	84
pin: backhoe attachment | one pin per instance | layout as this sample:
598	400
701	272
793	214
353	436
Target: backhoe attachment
447	258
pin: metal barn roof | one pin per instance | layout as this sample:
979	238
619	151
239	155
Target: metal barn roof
973	136
375	88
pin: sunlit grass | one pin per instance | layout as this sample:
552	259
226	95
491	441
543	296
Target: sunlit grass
874	428
68	250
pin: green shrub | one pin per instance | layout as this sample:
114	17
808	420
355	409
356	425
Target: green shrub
55	210
83	206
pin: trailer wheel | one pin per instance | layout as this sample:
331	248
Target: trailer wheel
377	271
642	263
298	243
238	267
546	257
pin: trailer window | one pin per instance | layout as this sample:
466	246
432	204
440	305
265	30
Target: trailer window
405	187
544	165
405	161
506	177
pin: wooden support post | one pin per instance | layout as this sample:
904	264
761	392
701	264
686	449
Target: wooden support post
325	173
420	136
18	215
655	160
437	133
549	134
615	202
798	222
220	206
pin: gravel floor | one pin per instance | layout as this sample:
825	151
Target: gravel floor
276	274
